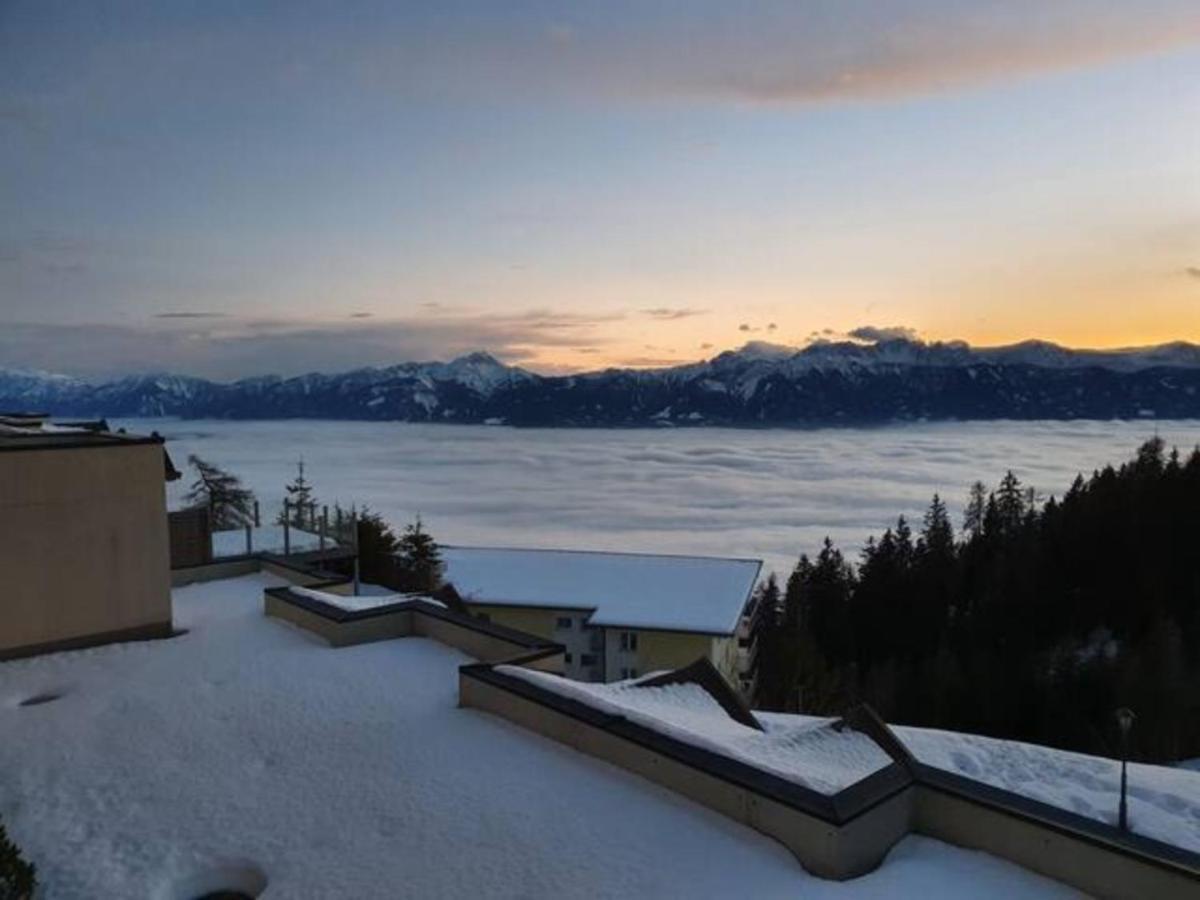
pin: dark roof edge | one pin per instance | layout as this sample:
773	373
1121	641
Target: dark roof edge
591	611
412	603
85	441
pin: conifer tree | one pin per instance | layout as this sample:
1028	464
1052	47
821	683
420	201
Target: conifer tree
937	535
18	878
376	544
419	559
1010	501
976	505
300	498
1043	620
230	504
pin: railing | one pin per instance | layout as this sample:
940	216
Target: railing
299	529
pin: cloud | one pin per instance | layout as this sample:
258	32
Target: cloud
1194	271
795	52
50	251
875	334
647	362
706	346
561	34
745	327
670	314
788	51
225	347
361	315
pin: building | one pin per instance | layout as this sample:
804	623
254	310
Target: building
84	521
619	615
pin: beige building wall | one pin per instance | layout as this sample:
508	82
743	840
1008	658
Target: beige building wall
656	650
85	546
670	649
531	620
725	658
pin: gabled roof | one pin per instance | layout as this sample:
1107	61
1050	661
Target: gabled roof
631	590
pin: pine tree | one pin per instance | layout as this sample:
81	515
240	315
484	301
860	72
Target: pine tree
230	505
376	543
300	499
419	559
18	878
976	506
1035	627
937	535
1010	502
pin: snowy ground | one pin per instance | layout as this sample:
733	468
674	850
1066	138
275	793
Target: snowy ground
247	749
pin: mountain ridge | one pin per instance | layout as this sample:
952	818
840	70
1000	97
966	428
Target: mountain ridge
759	384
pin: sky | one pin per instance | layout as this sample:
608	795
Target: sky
231	189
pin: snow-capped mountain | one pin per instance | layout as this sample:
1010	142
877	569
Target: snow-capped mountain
758	385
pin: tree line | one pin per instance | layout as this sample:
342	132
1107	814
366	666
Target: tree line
1035	622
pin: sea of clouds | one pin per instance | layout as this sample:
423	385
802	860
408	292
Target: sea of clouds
766	494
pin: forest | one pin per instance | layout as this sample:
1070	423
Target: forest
1035	620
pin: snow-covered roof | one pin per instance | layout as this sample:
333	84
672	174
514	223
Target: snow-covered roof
1164	800
809	751
806	751
370	596
244	753
631	590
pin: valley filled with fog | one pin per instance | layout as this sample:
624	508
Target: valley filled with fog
769	494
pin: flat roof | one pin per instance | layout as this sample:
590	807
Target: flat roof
354	773
632	590
35	432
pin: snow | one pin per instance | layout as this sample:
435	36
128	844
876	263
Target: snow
631	590
266	539
247	749
810	753
347	602
1164	801
369	597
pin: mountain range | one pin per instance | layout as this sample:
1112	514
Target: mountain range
757	385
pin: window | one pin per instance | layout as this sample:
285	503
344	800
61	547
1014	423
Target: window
587	659
628	640
567	658
626	674
563	623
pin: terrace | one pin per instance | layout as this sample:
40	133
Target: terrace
249	755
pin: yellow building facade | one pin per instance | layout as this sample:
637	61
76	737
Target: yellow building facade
85	541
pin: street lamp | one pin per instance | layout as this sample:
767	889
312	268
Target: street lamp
1125	720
